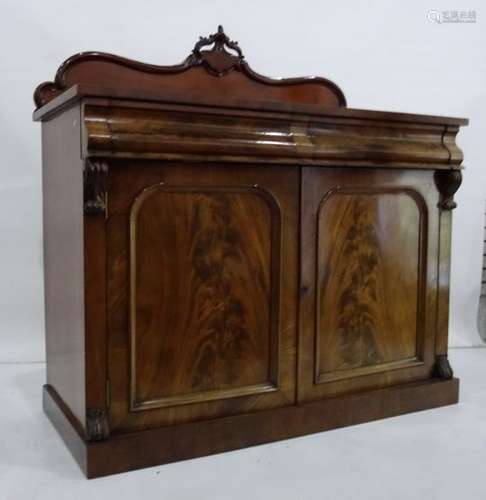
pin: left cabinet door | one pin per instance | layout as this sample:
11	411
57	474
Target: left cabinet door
201	316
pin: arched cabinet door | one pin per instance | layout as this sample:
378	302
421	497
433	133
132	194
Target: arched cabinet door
201	316
368	279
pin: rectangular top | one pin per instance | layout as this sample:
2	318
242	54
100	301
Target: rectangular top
78	91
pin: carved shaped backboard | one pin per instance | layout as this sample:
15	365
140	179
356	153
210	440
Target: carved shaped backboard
219	75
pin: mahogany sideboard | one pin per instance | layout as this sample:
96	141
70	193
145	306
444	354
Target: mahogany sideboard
232	259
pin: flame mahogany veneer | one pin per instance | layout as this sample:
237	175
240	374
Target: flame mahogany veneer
232	259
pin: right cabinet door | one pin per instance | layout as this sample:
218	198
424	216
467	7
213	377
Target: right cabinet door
369	264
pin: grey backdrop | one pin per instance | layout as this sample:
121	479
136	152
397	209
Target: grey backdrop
384	55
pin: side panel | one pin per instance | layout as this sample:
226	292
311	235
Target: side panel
369	275
63	259
202	291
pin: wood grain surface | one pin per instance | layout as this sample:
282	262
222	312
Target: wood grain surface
369	266
201	317
369	258
203	325
123	129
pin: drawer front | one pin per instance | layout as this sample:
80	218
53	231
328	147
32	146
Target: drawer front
368	279
201	318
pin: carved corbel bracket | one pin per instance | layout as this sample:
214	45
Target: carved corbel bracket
442	368
97	428
95	186
447	182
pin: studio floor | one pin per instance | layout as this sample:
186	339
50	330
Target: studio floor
435	454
